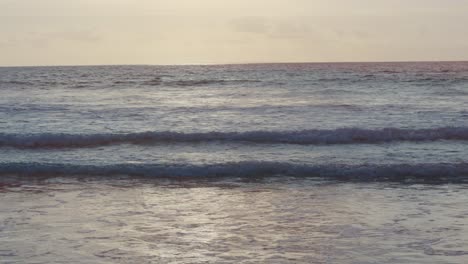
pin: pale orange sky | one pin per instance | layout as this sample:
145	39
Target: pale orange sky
83	32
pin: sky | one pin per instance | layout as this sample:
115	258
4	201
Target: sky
98	32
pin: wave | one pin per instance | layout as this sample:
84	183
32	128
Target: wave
158	81
155	81
184	83
450	92
304	137
15	82
437	80
203	82
449	172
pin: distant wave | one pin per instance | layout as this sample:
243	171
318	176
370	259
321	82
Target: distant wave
170	81
184	83
436	80
304	137
451	172
15	82
157	81
450	92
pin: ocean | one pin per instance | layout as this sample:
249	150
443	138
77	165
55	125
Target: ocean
269	163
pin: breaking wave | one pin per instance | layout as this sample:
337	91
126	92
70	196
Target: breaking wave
450	172
304	137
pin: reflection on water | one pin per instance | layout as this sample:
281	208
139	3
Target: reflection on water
271	221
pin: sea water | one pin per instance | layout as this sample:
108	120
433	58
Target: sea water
313	163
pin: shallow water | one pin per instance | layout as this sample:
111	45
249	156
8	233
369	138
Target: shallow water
232	221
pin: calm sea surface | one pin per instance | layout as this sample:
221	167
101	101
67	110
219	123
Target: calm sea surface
273	163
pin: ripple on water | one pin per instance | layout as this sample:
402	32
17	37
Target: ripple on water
294	220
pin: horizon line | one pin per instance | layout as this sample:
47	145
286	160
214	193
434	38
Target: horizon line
234	63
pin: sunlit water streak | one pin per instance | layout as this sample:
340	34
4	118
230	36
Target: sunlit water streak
269	221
